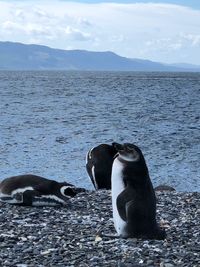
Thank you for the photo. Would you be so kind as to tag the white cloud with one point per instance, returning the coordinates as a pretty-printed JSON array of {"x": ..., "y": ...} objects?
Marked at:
[
  {"x": 160, "y": 32},
  {"x": 164, "y": 44},
  {"x": 176, "y": 43},
  {"x": 76, "y": 34},
  {"x": 84, "y": 22},
  {"x": 10, "y": 26},
  {"x": 193, "y": 39},
  {"x": 18, "y": 13}
]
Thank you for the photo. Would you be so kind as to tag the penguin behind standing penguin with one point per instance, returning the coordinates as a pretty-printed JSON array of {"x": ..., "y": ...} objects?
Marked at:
[
  {"x": 133, "y": 196},
  {"x": 32, "y": 190},
  {"x": 99, "y": 162}
]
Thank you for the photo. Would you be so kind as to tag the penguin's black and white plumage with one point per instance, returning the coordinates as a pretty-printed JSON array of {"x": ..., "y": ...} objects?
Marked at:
[
  {"x": 99, "y": 162},
  {"x": 32, "y": 190},
  {"x": 133, "y": 196}
]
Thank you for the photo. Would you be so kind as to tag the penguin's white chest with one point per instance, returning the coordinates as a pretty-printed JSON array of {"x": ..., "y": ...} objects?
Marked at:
[{"x": 117, "y": 188}]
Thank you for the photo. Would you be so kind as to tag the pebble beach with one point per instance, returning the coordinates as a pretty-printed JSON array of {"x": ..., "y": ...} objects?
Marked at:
[{"x": 82, "y": 234}]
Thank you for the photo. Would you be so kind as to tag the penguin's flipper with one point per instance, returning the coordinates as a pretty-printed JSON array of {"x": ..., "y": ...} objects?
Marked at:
[
  {"x": 121, "y": 204},
  {"x": 28, "y": 196},
  {"x": 124, "y": 201},
  {"x": 129, "y": 206}
]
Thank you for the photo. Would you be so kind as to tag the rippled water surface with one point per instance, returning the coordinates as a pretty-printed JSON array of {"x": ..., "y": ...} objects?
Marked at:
[{"x": 49, "y": 120}]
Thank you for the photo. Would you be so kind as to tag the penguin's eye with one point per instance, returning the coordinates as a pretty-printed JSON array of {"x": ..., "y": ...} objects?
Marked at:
[
  {"x": 118, "y": 147},
  {"x": 69, "y": 192},
  {"x": 130, "y": 148}
]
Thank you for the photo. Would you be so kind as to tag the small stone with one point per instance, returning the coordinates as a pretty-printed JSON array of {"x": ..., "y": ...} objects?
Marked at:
[
  {"x": 149, "y": 262},
  {"x": 168, "y": 265},
  {"x": 98, "y": 238},
  {"x": 23, "y": 239}
]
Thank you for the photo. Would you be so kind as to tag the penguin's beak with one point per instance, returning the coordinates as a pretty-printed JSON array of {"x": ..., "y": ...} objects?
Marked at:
[{"x": 79, "y": 190}]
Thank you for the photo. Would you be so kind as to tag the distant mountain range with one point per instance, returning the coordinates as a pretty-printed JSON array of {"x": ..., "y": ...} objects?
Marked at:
[{"x": 17, "y": 56}]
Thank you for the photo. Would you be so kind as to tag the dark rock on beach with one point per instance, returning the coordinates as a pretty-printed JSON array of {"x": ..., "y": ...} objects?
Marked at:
[{"x": 83, "y": 234}]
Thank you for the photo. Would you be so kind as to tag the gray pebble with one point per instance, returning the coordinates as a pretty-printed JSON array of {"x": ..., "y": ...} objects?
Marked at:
[{"x": 66, "y": 236}]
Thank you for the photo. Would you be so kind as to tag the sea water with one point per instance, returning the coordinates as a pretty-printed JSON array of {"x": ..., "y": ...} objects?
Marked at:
[{"x": 49, "y": 120}]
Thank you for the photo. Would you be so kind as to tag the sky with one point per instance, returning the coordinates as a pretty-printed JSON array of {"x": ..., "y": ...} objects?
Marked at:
[{"x": 163, "y": 31}]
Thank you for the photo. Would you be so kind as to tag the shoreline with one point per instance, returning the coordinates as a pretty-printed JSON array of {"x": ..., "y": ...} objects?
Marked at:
[{"x": 70, "y": 235}]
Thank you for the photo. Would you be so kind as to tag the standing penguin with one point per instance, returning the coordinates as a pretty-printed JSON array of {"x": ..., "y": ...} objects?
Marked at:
[
  {"x": 32, "y": 190},
  {"x": 133, "y": 197},
  {"x": 99, "y": 162}
]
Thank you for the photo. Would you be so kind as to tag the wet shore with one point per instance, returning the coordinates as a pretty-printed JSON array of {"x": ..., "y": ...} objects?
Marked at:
[{"x": 79, "y": 234}]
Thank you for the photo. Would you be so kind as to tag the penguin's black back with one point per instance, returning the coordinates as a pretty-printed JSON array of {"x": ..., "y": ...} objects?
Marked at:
[
  {"x": 101, "y": 158},
  {"x": 26, "y": 180}
]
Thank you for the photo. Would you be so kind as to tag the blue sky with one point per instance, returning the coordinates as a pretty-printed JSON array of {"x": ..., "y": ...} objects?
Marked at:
[
  {"x": 190, "y": 3},
  {"x": 164, "y": 31}
]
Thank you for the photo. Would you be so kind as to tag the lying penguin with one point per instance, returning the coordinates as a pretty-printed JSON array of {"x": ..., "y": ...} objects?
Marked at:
[
  {"x": 133, "y": 197},
  {"x": 99, "y": 162},
  {"x": 32, "y": 190}
]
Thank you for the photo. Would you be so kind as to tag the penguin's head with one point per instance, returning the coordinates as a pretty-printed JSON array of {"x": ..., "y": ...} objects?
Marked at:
[
  {"x": 128, "y": 152},
  {"x": 68, "y": 191}
]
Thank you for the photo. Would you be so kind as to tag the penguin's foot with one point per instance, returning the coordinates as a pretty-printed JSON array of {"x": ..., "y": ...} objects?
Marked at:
[{"x": 18, "y": 197}]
